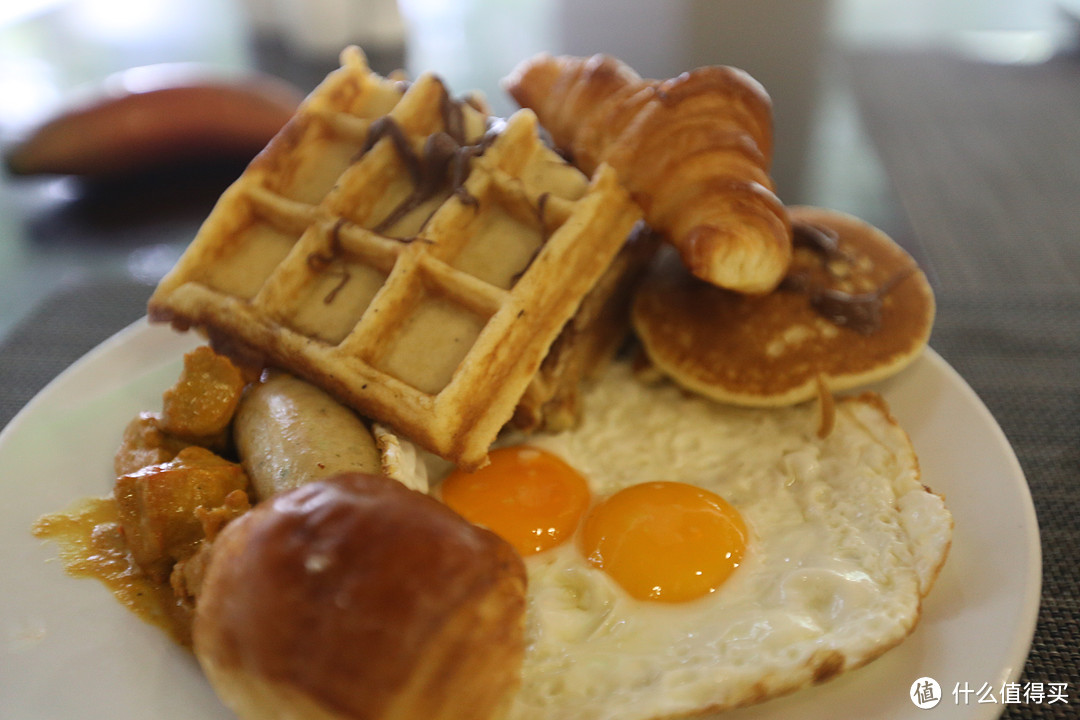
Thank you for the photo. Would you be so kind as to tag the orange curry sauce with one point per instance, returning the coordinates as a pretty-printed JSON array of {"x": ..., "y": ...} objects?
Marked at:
[{"x": 91, "y": 544}]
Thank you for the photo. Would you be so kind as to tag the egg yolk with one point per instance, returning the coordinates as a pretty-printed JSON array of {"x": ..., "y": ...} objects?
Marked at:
[
  {"x": 665, "y": 541},
  {"x": 527, "y": 496}
]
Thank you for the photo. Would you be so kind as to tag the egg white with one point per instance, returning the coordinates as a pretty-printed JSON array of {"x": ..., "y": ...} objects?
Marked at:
[{"x": 844, "y": 543}]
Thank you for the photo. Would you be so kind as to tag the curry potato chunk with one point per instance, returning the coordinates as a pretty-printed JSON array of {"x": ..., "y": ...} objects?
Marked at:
[
  {"x": 163, "y": 507},
  {"x": 201, "y": 404},
  {"x": 145, "y": 443}
]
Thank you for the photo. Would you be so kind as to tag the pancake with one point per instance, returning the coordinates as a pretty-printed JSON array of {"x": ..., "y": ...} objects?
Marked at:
[{"x": 853, "y": 308}]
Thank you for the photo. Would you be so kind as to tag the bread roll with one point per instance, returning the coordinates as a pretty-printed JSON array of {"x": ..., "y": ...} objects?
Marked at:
[{"x": 355, "y": 597}]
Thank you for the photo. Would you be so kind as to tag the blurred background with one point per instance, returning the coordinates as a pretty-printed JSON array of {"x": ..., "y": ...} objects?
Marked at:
[{"x": 56, "y": 230}]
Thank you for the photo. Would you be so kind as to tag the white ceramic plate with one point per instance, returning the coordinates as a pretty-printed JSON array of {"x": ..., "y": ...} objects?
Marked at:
[{"x": 68, "y": 650}]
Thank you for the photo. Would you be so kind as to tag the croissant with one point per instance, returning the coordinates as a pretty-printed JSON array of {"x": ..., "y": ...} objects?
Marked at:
[{"x": 694, "y": 151}]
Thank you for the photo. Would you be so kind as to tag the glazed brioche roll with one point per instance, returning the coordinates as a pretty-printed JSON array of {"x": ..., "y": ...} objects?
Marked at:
[
  {"x": 355, "y": 597},
  {"x": 694, "y": 151}
]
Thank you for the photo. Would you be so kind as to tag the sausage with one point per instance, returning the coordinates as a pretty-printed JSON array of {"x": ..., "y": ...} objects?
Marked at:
[
  {"x": 289, "y": 432},
  {"x": 176, "y": 119}
]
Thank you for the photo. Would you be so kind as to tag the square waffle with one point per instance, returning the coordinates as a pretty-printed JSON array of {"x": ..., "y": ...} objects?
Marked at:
[{"x": 404, "y": 251}]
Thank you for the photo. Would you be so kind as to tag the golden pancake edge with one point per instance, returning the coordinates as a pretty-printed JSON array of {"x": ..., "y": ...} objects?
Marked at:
[{"x": 854, "y": 308}]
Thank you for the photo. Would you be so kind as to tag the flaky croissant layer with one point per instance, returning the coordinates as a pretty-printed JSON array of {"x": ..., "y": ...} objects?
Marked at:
[{"x": 693, "y": 150}]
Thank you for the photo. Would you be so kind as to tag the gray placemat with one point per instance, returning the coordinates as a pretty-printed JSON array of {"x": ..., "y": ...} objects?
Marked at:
[
  {"x": 1011, "y": 350},
  {"x": 67, "y": 325},
  {"x": 985, "y": 160}
]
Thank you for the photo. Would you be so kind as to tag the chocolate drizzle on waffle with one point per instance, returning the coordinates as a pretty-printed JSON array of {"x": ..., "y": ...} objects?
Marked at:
[
  {"x": 417, "y": 327},
  {"x": 445, "y": 158},
  {"x": 323, "y": 262},
  {"x": 453, "y": 116},
  {"x": 541, "y": 204}
]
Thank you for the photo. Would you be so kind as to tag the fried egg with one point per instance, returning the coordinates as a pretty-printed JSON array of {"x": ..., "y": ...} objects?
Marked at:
[{"x": 685, "y": 556}]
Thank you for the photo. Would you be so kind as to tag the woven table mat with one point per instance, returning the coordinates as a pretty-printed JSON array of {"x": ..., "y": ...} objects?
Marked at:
[
  {"x": 68, "y": 324},
  {"x": 985, "y": 160}
]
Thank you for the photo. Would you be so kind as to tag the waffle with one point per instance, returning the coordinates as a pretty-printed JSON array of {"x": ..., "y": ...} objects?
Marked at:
[{"x": 403, "y": 251}]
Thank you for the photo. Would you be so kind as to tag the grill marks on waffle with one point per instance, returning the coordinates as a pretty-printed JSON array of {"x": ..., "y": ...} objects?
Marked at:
[
  {"x": 404, "y": 251},
  {"x": 446, "y": 157},
  {"x": 363, "y": 245},
  {"x": 323, "y": 263}
]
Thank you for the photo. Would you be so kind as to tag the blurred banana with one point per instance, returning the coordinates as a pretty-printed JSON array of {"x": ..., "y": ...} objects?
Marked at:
[{"x": 172, "y": 117}]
